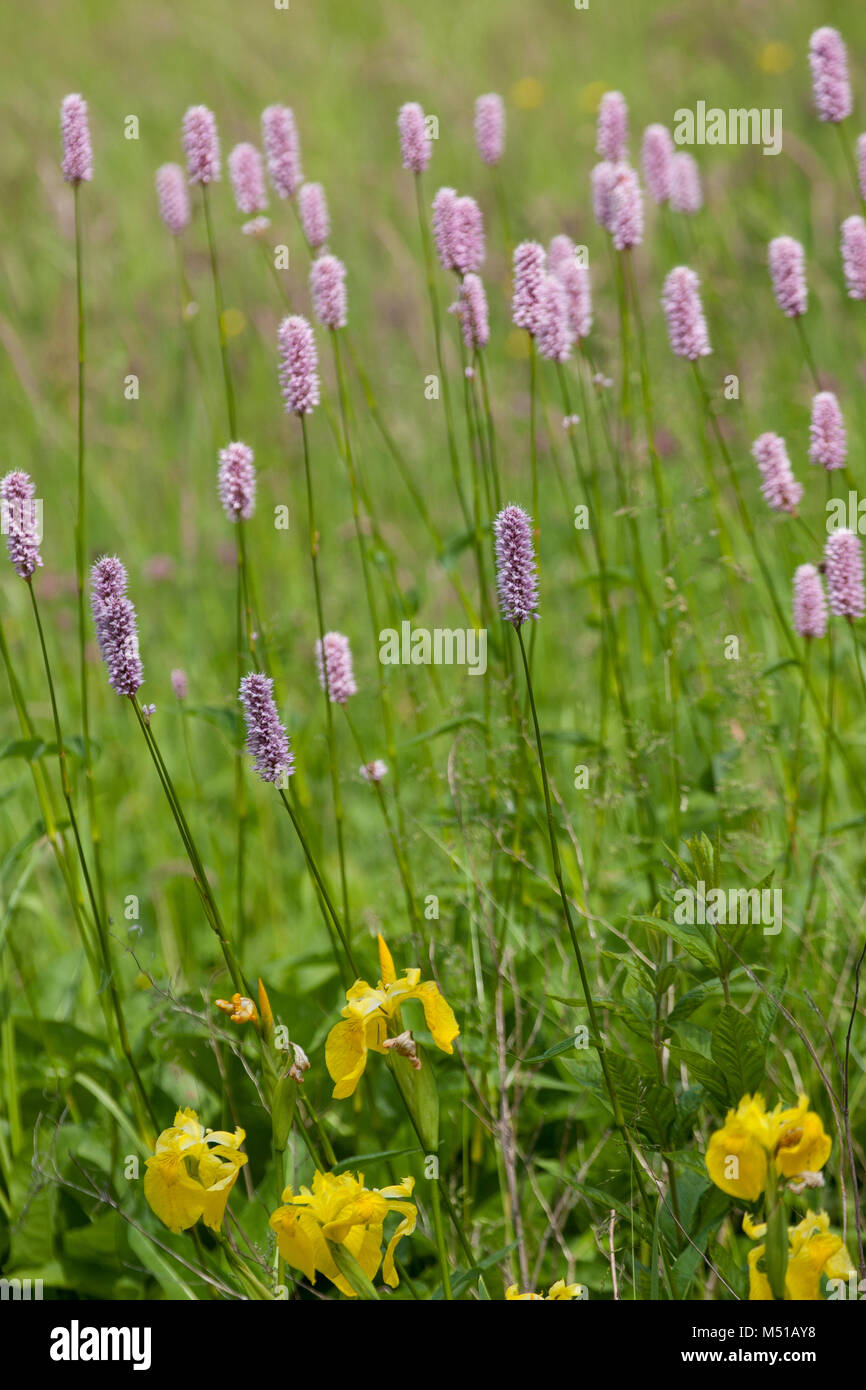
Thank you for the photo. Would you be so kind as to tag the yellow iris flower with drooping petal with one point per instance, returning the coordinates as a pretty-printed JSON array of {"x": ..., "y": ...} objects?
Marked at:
[
  {"x": 813, "y": 1250},
  {"x": 192, "y": 1172},
  {"x": 739, "y": 1153},
  {"x": 559, "y": 1292},
  {"x": 368, "y": 1013},
  {"x": 339, "y": 1208}
]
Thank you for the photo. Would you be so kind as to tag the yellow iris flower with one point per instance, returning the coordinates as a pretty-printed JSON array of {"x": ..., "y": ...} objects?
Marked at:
[
  {"x": 341, "y": 1209},
  {"x": 813, "y": 1250},
  {"x": 369, "y": 1012},
  {"x": 738, "y": 1154},
  {"x": 192, "y": 1172},
  {"x": 558, "y": 1292}
]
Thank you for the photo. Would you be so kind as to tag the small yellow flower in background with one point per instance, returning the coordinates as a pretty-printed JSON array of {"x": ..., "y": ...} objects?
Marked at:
[
  {"x": 738, "y": 1154},
  {"x": 527, "y": 93},
  {"x": 776, "y": 58},
  {"x": 341, "y": 1209},
  {"x": 241, "y": 1009},
  {"x": 591, "y": 95},
  {"x": 192, "y": 1172},
  {"x": 233, "y": 322},
  {"x": 558, "y": 1292},
  {"x": 368, "y": 1013},
  {"x": 813, "y": 1250}
]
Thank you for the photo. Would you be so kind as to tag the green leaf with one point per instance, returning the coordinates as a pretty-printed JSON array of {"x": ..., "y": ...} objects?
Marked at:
[
  {"x": 362, "y": 1161},
  {"x": 738, "y": 1052}
]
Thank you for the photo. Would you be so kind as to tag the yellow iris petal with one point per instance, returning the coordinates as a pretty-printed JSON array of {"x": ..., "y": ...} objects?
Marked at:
[
  {"x": 386, "y": 962},
  {"x": 804, "y": 1147},
  {"x": 736, "y": 1161},
  {"x": 346, "y": 1055},
  {"x": 171, "y": 1193}
]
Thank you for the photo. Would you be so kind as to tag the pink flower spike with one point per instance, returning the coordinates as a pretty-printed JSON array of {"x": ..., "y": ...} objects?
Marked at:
[
  {"x": 282, "y": 150},
  {"x": 657, "y": 153},
  {"x": 201, "y": 145},
  {"x": 173, "y": 195},
  {"x": 247, "y": 174},
  {"x": 20, "y": 514},
  {"x": 472, "y": 309},
  {"x": 337, "y": 667},
  {"x": 490, "y": 127},
  {"x": 861, "y": 165},
  {"x": 787, "y": 269},
  {"x": 612, "y": 128},
  {"x": 554, "y": 335},
  {"x": 828, "y": 445},
  {"x": 444, "y": 204},
  {"x": 854, "y": 256},
  {"x": 328, "y": 288},
  {"x": 687, "y": 328},
  {"x": 603, "y": 179},
  {"x": 313, "y": 209},
  {"x": 843, "y": 566},
  {"x": 626, "y": 209},
  {"x": 516, "y": 577},
  {"x": 830, "y": 86},
  {"x": 574, "y": 278},
  {"x": 237, "y": 481},
  {"x": 528, "y": 279},
  {"x": 416, "y": 147},
  {"x": 685, "y": 184},
  {"x": 116, "y": 626},
  {"x": 780, "y": 488},
  {"x": 299, "y": 365},
  {"x": 267, "y": 740},
  {"x": 467, "y": 236},
  {"x": 77, "y": 164},
  {"x": 179, "y": 683},
  {"x": 810, "y": 602}
]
